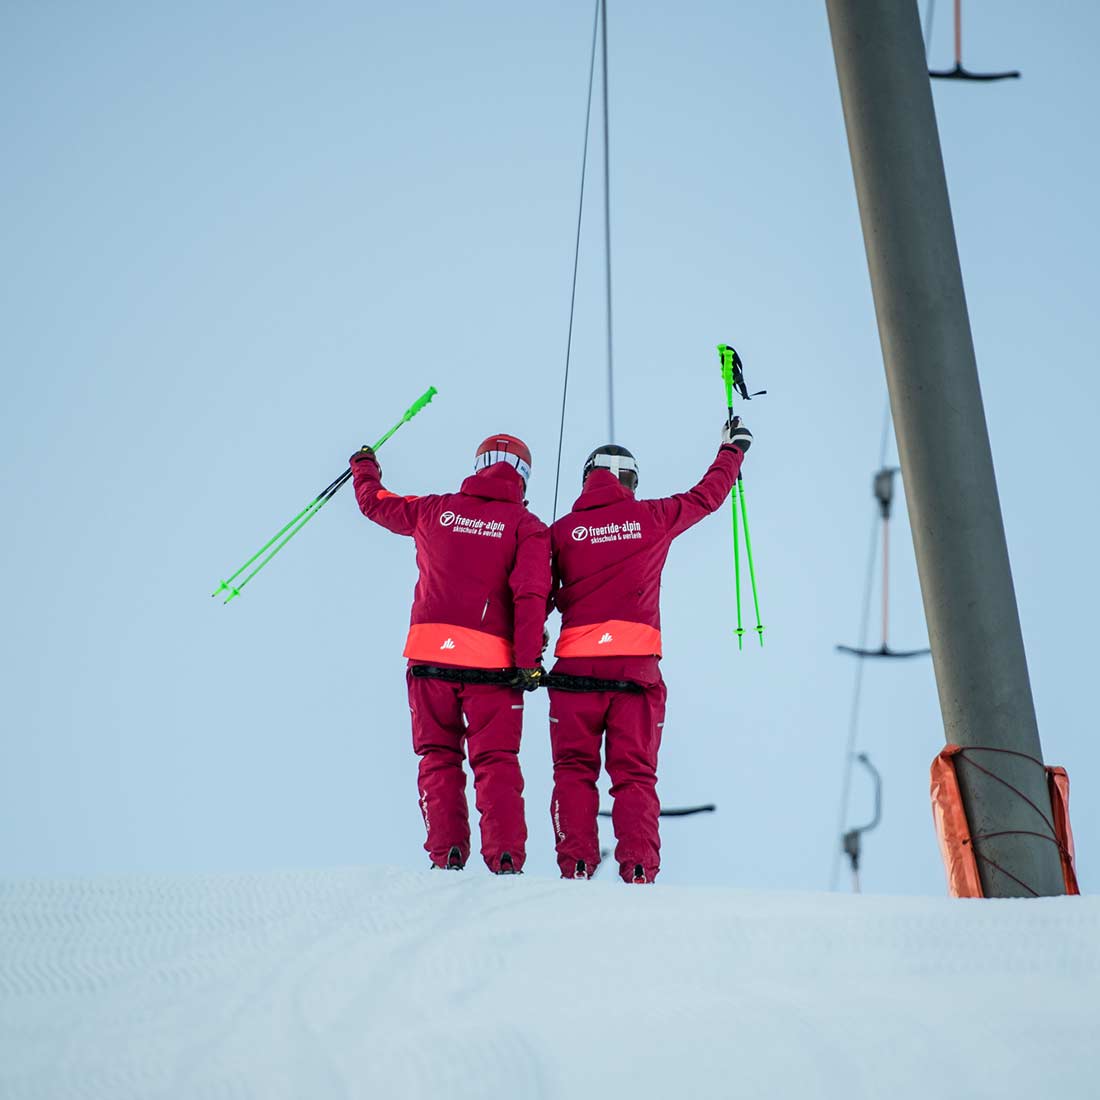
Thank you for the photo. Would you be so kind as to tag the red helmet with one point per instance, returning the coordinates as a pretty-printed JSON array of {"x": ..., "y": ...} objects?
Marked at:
[{"x": 504, "y": 448}]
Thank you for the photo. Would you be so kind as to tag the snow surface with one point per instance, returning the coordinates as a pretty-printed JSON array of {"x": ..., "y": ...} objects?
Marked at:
[{"x": 383, "y": 983}]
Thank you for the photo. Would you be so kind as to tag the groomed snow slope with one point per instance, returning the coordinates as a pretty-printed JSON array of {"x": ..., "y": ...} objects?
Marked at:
[{"x": 386, "y": 984}]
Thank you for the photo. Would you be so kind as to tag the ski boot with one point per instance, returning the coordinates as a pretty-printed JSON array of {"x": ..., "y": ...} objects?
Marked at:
[
  {"x": 639, "y": 874},
  {"x": 507, "y": 867},
  {"x": 581, "y": 870},
  {"x": 454, "y": 861}
]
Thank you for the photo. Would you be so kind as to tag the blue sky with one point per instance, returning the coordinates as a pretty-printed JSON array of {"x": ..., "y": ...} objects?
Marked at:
[{"x": 241, "y": 240}]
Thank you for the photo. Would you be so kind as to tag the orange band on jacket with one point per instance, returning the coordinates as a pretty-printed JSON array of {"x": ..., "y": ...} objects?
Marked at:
[
  {"x": 457, "y": 645},
  {"x": 385, "y": 494},
  {"x": 613, "y": 638}
]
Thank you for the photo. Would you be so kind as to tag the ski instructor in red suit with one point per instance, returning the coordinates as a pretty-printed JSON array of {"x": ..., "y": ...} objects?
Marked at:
[
  {"x": 480, "y": 604},
  {"x": 607, "y": 558}
]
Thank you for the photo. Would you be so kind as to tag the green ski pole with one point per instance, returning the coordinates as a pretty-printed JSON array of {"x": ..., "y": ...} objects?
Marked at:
[
  {"x": 227, "y": 583},
  {"x": 726, "y": 355},
  {"x": 748, "y": 554},
  {"x": 733, "y": 375},
  {"x": 740, "y": 631},
  {"x": 310, "y": 510}
]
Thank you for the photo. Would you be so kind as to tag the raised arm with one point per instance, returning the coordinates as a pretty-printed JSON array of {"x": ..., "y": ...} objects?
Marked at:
[
  {"x": 376, "y": 502},
  {"x": 684, "y": 510}
]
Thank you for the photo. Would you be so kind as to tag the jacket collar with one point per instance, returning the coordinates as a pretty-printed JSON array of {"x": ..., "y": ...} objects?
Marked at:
[
  {"x": 601, "y": 488},
  {"x": 497, "y": 482}
]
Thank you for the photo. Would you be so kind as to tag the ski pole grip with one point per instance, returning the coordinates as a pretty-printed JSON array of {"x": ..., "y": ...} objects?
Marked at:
[
  {"x": 419, "y": 403},
  {"x": 727, "y": 355}
]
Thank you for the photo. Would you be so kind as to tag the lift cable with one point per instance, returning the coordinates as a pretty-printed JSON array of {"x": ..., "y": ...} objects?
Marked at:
[
  {"x": 929, "y": 16},
  {"x": 607, "y": 234},
  {"x": 576, "y": 254},
  {"x": 857, "y": 687},
  {"x": 599, "y": 20}
]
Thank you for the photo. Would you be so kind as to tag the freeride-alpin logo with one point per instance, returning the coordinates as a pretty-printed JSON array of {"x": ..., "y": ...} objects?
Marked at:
[
  {"x": 448, "y": 644},
  {"x": 463, "y": 525},
  {"x": 605, "y": 639},
  {"x": 609, "y": 532}
]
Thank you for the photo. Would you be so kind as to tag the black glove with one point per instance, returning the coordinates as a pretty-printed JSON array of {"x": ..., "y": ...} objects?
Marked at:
[
  {"x": 545, "y": 640},
  {"x": 527, "y": 679},
  {"x": 735, "y": 432},
  {"x": 365, "y": 453}
]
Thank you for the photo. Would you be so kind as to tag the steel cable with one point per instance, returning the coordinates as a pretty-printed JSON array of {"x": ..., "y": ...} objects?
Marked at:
[
  {"x": 576, "y": 255},
  {"x": 857, "y": 688}
]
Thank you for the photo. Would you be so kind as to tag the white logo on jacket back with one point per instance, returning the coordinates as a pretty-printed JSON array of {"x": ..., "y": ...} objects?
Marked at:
[
  {"x": 609, "y": 532},
  {"x": 448, "y": 644},
  {"x": 464, "y": 525}
]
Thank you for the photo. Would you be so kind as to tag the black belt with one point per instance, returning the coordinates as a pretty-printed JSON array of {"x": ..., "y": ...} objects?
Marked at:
[
  {"x": 559, "y": 681},
  {"x": 502, "y": 676},
  {"x": 506, "y": 677}
]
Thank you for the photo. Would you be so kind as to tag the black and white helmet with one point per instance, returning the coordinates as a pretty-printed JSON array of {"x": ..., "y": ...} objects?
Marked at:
[{"x": 616, "y": 459}]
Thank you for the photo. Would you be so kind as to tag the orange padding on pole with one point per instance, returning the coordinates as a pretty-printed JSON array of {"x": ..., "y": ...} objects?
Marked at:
[
  {"x": 1058, "y": 781},
  {"x": 953, "y": 830}
]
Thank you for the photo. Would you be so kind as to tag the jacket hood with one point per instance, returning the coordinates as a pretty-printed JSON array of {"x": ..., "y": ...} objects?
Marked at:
[
  {"x": 601, "y": 488},
  {"x": 497, "y": 482}
]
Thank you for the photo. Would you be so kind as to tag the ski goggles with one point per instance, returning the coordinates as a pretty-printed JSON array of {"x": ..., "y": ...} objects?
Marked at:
[
  {"x": 618, "y": 465},
  {"x": 491, "y": 458}
]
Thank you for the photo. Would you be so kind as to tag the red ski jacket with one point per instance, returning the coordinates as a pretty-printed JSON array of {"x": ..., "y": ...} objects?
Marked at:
[
  {"x": 608, "y": 554},
  {"x": 484, "y": 565}
]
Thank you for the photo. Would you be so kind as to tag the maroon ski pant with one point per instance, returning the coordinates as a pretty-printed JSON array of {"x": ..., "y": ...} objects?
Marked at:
[
  {"x": 628, "y": 727},
  {"x": 487, "y": 719}
]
